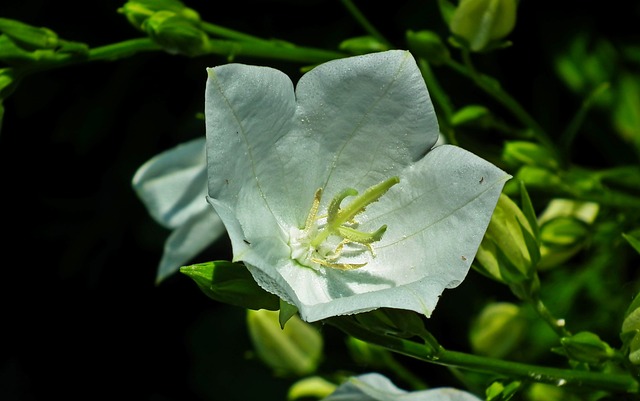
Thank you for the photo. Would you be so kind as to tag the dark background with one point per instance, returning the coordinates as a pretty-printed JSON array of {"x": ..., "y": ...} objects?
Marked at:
[{"x": 81, "y": 315}]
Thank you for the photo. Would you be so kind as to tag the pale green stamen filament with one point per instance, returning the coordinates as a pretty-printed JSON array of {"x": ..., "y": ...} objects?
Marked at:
[{"x": 339, "y": 223}]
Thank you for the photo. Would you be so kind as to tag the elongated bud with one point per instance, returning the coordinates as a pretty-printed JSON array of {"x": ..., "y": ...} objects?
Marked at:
[
  {"x": 504, "y": 254},
  {"x": 480, "y": 23},
  {"x": 29, "y": 37},
  {"x": 294, "y": 350}
]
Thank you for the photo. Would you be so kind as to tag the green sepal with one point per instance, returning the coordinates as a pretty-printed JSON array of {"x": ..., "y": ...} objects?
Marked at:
[
  {"x": 287, "y": 311},
  {"x": 230, "y": 283}
]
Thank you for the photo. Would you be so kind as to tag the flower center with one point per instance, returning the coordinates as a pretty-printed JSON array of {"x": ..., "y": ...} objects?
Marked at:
[{"x": 325, "y": 240}]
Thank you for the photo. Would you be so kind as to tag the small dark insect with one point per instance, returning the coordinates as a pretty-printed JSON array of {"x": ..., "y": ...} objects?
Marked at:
[
  {"x": 226, "y": 181},
  {"x": 246, "y": 242},
  {"x": 463, "y": 258},
  {"x": 481, "y": 180}
]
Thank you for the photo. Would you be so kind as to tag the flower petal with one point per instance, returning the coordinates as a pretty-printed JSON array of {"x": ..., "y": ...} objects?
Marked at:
[
  {"x": 172, "y": 184},
  {"x": 371, "y": 116},
  {"x": 188, "y": 240},
  {"x": 376, "y": 387}
]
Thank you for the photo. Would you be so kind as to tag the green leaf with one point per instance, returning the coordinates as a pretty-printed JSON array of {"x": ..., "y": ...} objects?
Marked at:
[
  {"x": 633, "y": 240},
  {"x": 230, "y": 283}
]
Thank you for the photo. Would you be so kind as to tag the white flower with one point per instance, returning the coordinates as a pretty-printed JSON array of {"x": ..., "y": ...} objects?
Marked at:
[
  {"x": 332, "y": 195},
  {"x": 375, "y": 387},
  {"x": 172, "y": 185}
]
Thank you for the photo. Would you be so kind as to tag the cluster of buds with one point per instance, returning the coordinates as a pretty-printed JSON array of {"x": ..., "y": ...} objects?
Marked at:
[{"x": 169, "y": 23}]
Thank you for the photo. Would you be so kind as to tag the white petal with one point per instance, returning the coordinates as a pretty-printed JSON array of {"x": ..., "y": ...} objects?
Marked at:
[
  {"x": 248, "y": 109},
  {"x": 189, "y": 240},
  {"x": 371, "y": 116},
  {"x": 376, "y": 387},
  {"x": 172, "y": 185}
]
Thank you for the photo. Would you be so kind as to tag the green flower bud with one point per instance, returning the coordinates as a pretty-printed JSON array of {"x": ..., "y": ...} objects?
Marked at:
[
  {"x": 564, "y": 228},
  {"x": 549, "y": 392},
  {"x": 498, "y": 330},
  {"x": 428, "y": 44},
  {"x": 29, "y": 37},
  {"x": 294, "y": 350},
  {"x": 505, "y": 250},
  {"x": 587, "y": 347},
  {"x": 519, "y": 153},
  {"x": 138, "y": 11},
  {"x": 481, "y": 22},
  {"x": 362, "y": 45},
  {"x": 176, "y": 34},
  {"x": 230, "y": 283}
]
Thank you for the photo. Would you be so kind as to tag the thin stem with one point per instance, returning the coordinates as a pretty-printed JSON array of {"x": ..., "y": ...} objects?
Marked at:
[
  {"x": 366, "y": 25},
  {"x": 558, "y": 325},
  {"x": 440, "y": 356},
  {"x": 492, "y": 87},
  {"x": 227, "y": 33},
  {"x": 441, "y": 99}
]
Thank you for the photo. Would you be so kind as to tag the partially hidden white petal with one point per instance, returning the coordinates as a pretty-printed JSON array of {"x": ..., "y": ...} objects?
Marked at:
[
  {"x": 172, "y": 185},
  {"x": 376, "y": 387},
  {"x": 189, "y": 240}
]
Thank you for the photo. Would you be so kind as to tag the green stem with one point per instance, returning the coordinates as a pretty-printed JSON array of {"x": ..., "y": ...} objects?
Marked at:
[
  {"x": 555, "y": 376},
  {"x": 441, "y": 99},
  {"x": 366, "y": 25},
  {"x": 558, "y": 325},
  {"x": 227, "y": 33},
  {"x": 492, "y": 87}
]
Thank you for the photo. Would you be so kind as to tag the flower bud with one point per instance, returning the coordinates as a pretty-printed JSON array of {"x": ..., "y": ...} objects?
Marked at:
[
  {"x": 28, "y": 37},
  {"x": 564, "y": 228},
  {"x": 480, "y": 23},
  {"x": 310, "y": 387},
  {"x": 428, "y": 44},
  {"x": 176, "y": 34},
  {"x": 294, "y": 350},
  {"x": 587, "y": 347},
  {"x": 505, "y": 251},
  {"x": 138, "y": 11},
  {"x": 498, "y": 330}
]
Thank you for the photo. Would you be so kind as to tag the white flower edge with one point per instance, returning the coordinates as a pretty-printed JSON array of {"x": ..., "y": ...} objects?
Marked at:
[
  {"x": 172, "y": 186},
  {"x": 376, "y": 387}
]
